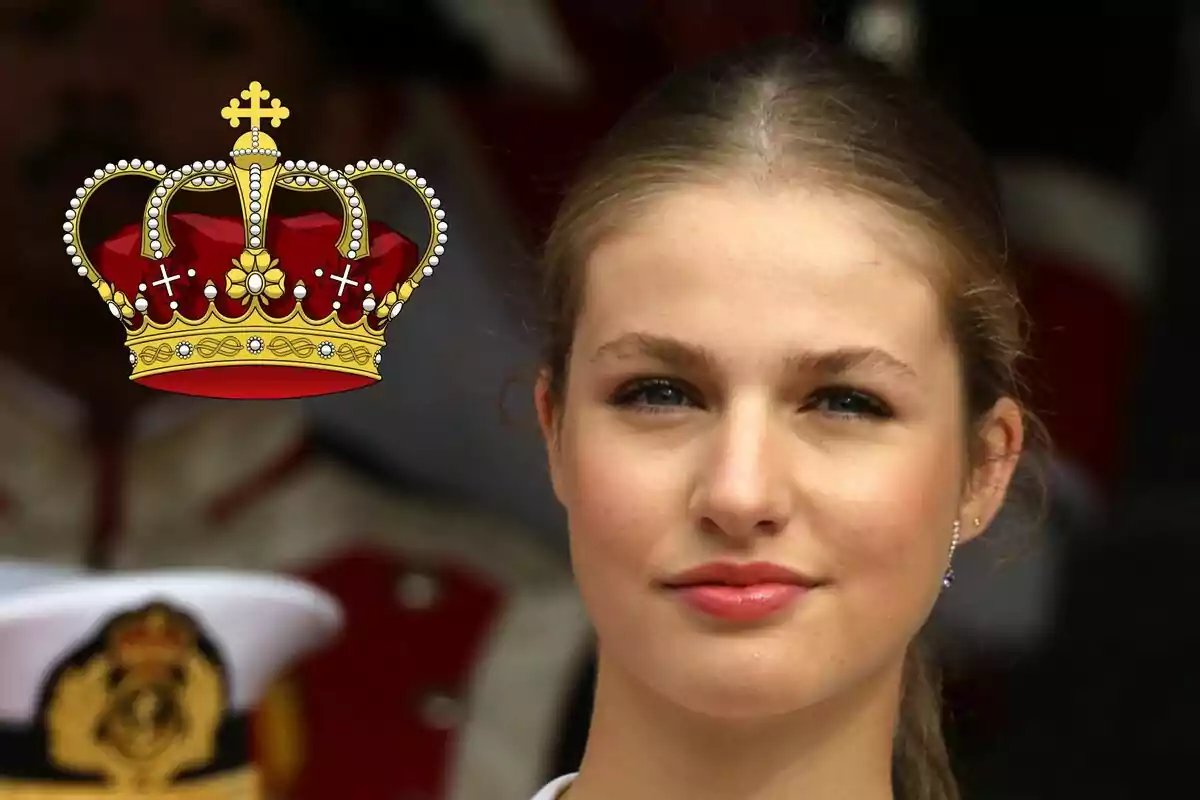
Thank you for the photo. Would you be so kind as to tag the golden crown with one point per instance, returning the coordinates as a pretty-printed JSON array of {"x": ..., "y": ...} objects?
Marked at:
[
  {"x": 222, "y": 308},
  {"x": 152, "y": 640}
]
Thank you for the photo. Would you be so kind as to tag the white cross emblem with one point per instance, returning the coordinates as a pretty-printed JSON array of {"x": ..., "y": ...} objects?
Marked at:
[
  {"x": 166, "y": 280},
  {"x": 343, "y": 279}
]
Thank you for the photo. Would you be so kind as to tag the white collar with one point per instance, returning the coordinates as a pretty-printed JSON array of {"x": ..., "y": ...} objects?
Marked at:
[{"x": 554, "y": 788}]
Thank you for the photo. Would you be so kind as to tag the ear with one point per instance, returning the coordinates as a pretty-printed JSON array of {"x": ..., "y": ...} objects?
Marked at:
[
  {"x": 1002, "y": 436},
  {"x": 548, "y": 414}
]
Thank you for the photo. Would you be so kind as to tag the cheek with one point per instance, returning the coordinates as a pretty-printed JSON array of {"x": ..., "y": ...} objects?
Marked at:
[
  {"x": 892, "y": 514},
  {"x": 623, "y": 502}
]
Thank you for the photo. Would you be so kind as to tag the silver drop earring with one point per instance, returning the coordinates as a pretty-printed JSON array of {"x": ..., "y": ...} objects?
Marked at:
[{"x": 948, "y": 578}]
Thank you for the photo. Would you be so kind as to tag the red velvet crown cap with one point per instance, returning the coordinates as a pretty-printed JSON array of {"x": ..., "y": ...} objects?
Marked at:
[{"x": 206, "y": 248}]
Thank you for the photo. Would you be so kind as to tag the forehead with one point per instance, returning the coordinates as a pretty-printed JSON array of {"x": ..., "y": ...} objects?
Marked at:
[{"x": 741, "y": 266}]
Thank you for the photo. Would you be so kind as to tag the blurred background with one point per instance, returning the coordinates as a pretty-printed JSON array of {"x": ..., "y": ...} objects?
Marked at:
[{"x": 422, "y": 502}]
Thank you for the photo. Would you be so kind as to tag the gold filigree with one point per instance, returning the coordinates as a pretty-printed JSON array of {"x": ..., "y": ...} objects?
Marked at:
[
  {"x": 255, "y": 274},
  {"x": 117, "y": 301},
  {"x": 255, "y": 113},
  {"x": 385, "y": 308}
]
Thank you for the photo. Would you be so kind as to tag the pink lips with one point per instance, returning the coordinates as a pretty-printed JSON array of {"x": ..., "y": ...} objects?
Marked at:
[{"x": 739, "y": 592}]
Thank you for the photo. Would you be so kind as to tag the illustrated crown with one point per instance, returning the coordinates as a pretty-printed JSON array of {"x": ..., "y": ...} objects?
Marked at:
[{"x": 231, "y": 308}]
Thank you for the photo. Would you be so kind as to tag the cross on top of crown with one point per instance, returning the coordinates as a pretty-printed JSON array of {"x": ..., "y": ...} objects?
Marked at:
[{"x": 256, "y": 112}]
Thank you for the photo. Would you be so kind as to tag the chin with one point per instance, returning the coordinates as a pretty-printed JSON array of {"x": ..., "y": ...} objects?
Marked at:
[{"x": 744, "y": 677}]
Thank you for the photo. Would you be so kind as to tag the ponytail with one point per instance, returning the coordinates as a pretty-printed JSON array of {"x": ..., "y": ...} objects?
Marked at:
[{"x": 922, "y": 763}]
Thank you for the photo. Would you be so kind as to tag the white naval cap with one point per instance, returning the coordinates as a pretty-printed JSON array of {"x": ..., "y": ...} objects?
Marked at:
[
  {"x": 144, "y": 683},
  {"x": 16, "y": 576}
]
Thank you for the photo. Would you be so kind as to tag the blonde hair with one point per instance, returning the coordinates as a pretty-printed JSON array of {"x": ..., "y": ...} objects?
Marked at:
[{"x": 798, "y": 111}]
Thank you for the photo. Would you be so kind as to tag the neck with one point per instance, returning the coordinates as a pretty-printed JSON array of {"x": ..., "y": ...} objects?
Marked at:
[{"x": 641, "y": 746}]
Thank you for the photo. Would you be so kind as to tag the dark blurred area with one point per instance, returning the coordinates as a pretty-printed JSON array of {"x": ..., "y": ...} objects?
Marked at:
[{"x": 422, "y": 502}]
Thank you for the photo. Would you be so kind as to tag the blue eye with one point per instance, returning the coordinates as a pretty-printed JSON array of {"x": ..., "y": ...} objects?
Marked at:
[
  {"x": 655, "y": 394},
  {"x": 843, "y": 401},
  {"x": 660, "y": 394}
]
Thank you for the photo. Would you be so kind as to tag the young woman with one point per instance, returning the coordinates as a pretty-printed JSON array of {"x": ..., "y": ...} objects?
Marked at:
[{"x": 778, "y": 392}]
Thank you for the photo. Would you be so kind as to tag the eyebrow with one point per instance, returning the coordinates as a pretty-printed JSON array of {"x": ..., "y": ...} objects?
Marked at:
[{"x": 675, "y": 353}]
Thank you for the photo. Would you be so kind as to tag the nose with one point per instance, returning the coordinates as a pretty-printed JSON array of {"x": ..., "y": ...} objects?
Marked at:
[{"x": 744, "y": 491}]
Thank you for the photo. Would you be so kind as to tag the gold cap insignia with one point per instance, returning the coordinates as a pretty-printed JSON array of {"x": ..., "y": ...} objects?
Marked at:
[{"x": 138, "y": 711}]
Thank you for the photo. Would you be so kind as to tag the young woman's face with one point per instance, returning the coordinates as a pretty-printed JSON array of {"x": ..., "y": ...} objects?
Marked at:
[{"x": 758, "y": 379}]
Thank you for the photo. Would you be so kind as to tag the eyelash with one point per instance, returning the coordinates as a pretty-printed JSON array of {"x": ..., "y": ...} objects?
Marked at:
[{"x": 632, "y": 394}]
